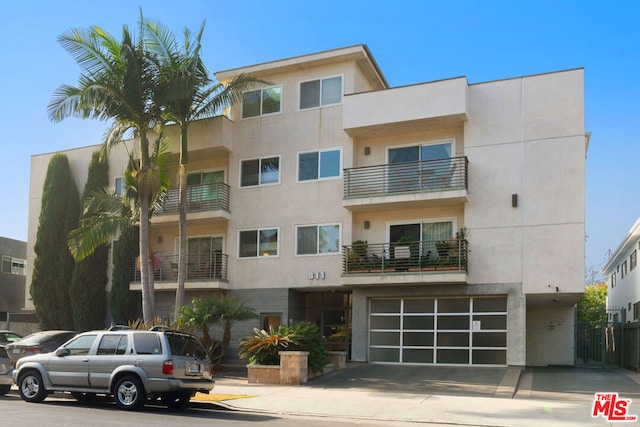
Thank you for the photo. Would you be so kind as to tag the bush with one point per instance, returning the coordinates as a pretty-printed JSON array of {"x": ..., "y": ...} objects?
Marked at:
[{"x": 262, "y": 348}]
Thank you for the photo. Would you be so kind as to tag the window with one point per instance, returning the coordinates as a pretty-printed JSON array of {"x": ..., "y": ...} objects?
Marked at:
[
  {"x": 270, "y": 320},
  {"x": 315, "y": 93},
  {"x": 14, "y": 265},
  {"x": 320, "y": 164},
  {"x": 613, "y": 280},
  {"x": 633, "y": 260},
  {"x": 119, "y": 186},
  {"x": 260, "y": 102},
  {"x": 185, "y": 345},
  {"x": 81, "y": 345},
  {"x": 113, "y": 344},
  {"x": 262, "y": 171},
  {"x": 623, "y": 271},
  {"x": 258, "y": 243},
  {"x": 318, "y": 239},
  {"x": 636, "y": 310},
  {"x": 147, "y": 343}
]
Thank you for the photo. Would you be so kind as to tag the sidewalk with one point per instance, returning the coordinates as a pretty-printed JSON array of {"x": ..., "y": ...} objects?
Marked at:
[{"x": 488, "y": 396}]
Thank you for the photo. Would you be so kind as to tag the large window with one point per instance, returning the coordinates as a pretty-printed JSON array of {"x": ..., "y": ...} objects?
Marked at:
[
  {"x": 258, "y": 243},
  {"x": 14, "y": 265},
  {"x": 633, "y": 260},
  {"x": 318, "y": 239},
  {"x": 421, "y": 167},
  {"x": 262, "y": 171},
  {"x": 623, "y": 272},
  {"x": 119, "y": 186},
  {"x": 319, "y": 92},
  {"x": 260, "y": 102},
  {"x": 320, "y": 164}
]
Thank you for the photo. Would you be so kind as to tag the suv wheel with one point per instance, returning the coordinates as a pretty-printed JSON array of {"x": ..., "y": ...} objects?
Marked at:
[
  {"x": 31, "y": 387},
  {"x": 129, "y": 393},
  {"x": 4, "y": 389}
]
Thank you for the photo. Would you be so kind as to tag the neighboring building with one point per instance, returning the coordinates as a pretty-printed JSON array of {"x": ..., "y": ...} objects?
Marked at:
[
  {"x": 622, "y": 276},
  {"x": 437, "y": 223},
  {"x": 12, "y": 276}
]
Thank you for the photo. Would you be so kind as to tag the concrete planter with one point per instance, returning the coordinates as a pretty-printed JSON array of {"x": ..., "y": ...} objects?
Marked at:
[
  {"x": 263, "y": 374},
  {"x": 293, "y": 368}
]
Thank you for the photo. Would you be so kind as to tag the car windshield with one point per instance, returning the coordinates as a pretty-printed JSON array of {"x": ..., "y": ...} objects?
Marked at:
[{"x": 185, "y": 345}]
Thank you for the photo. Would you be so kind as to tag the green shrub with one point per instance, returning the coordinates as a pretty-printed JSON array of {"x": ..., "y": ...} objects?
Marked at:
[{"x": 262, "y": 348}]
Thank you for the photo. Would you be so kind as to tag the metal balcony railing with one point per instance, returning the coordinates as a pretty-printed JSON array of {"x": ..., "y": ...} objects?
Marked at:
[
  {"x": 202, "y": 197},
  {"x": 201, "y": 267},
  {"x": 417, "y": 256},
  {"x": 408, "y": 177}
]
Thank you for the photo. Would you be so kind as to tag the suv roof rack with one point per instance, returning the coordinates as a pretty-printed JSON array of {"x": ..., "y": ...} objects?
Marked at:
[
  {"x": 160, "y": 328},
  {"x": 118, "y": 328}
]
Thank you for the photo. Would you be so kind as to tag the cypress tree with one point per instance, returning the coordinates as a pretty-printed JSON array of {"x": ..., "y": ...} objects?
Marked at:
[
  {"x": 88, "y": 285},
  {"x": 122, "y": 301},
  {"x": 53, "y": 265}
]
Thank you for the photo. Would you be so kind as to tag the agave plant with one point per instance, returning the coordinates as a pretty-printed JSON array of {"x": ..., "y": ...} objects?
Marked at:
[{"x": 263, "y": 348}]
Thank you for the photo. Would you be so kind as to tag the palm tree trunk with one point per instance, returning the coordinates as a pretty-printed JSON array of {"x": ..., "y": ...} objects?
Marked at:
[
  {"x": 146, "y": 279},
  {"x": 147, "y": 302},
  {"x": 182, "y": 227}
]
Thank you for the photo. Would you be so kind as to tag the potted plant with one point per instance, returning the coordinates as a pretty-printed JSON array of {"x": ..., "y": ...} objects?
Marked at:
[{"x": 262, "y": 350}]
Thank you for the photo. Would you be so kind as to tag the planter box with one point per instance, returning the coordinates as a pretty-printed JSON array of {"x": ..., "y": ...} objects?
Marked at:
[
  {"x": 293, "y": 369},
  {"x": 263, "y": 374}
]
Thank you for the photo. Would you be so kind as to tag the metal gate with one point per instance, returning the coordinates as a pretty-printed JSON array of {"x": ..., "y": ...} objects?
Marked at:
[{"x": 599, "y": 338}]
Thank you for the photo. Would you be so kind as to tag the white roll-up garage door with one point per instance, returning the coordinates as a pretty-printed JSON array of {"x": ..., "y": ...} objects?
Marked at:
[{"x": 451, "y": 331}]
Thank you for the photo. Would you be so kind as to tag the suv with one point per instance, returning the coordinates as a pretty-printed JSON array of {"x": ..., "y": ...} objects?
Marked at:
[
  {"x": 5, "y": 372},
  {"x": 130, "y": 365}
]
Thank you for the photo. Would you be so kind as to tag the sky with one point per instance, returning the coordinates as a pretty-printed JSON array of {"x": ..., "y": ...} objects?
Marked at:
[{"x": 412, "y": 42}]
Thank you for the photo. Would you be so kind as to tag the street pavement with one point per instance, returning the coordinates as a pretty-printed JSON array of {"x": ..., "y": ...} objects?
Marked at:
[{"x": 435, "y": 395}]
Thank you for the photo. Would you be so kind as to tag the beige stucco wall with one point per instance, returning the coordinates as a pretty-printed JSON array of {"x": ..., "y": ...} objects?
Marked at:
[{"x": 79, "y": 159}]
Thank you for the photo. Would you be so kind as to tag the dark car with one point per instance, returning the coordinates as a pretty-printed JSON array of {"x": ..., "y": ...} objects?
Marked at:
[
  {"x": 5, "y": 372},
  {"x": 7, "y": 337},
  {"x": 39, "y": 342}
]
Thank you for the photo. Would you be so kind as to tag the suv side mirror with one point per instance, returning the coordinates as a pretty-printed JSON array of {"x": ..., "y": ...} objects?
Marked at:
[{"x": 61, "y": 352}]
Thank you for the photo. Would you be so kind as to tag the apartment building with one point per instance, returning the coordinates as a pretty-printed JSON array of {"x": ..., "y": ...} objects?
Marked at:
[
  {"x": 437, "y": 223},
  {"x": 622, "y": 276},
  {"x": 12, "y": 276}
]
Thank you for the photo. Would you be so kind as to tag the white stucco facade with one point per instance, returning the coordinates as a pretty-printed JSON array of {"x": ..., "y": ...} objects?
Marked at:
[
  {"x": 512, "y": 179},
  {"x": 622, "y": 275}
]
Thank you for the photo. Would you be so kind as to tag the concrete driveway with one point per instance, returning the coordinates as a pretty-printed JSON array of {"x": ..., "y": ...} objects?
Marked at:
[{"x": 566, "y": 383}]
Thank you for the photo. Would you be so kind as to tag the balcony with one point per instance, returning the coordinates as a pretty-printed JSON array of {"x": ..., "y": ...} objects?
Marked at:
[
  {"x": 411, "y": 183},
  {"x": 203, "y": 272},
  {"x": 204, "y": 201},
  {"x": 443, "y": 261},
  {"x": 406, "y": 109}
]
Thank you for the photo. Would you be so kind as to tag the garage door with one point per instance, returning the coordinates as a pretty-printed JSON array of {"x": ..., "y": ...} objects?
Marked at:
[{"x": 451, "y": 331}]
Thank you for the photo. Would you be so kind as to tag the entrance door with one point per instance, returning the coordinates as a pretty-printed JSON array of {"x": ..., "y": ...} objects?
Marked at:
[
  {"x": 203, "y": 193},
  {"x": 204, "y": 256},
  {"x": 419, "y": 167}
]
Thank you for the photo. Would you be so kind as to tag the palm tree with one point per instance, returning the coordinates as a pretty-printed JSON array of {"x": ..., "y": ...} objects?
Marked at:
[
  {"x": 231, "y": 310},
  {"x": 117, "y": 83},
  {"x": 200, "y": 315},
  {"x": 186, "y": 94},
  {"x": 219, "y": 308}
]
